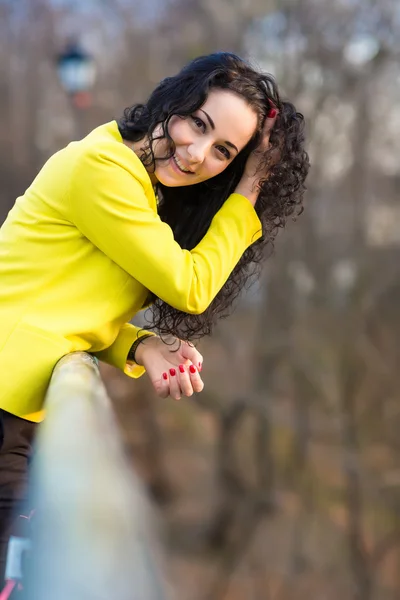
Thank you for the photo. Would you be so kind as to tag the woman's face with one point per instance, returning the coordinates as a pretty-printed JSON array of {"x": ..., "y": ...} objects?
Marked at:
[{"x": 206, "y": 142}]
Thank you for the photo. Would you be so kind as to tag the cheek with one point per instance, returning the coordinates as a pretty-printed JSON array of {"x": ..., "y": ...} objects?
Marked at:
[
  {"x": 213, "y": 168},
  {"x": 160, "y": 147},
  {"x": 180, "y": 131},
  {"x": 159, "y": 142},
  {"x": 218, "y": 166},
  {"x": 173, "y": 127},
  {"x": 218, "y": 169}
]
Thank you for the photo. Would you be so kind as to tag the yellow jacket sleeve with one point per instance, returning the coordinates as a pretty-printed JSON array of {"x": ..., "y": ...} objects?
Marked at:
[
  {"x": 116, "y": 354},
  {"x": 108, "y": 203}
]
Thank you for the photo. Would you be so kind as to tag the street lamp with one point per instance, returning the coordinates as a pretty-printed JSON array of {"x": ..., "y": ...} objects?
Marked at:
[{"x": 77, "y": 72}]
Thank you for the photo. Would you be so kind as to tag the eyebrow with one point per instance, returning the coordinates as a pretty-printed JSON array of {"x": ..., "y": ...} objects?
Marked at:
[{"x": 212, "y": 125}]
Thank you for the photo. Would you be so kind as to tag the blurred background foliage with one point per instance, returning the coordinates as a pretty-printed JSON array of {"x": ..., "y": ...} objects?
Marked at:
[{"x": 281, "y": 480}]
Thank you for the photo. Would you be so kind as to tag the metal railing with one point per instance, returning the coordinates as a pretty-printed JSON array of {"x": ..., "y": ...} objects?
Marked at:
[{"x": 92, "y": 536}]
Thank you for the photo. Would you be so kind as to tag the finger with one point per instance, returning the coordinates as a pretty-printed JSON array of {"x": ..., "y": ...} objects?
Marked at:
[
  {"x": 161, "y": 386},
  {"x": 174, "y": 387},
  {"x": 192, "y": 354},
  {"x": 184, "y": 380},
  {"x": 196, "y": 381},
  {"x": 269, "y": 122}
]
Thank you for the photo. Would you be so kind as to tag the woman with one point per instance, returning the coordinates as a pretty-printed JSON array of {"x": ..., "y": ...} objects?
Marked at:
[{"x": 87, "y": 246}]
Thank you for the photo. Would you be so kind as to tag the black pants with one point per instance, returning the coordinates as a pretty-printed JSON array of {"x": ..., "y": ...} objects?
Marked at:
[{"x": 16, "y": 438}]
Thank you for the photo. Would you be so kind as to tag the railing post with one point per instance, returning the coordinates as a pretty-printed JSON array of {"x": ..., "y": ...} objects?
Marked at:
[{"x": 92, "y": 538}]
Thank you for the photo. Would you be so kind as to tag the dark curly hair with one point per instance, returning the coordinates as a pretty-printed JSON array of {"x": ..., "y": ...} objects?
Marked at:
[{"x": 189, "y": 209}]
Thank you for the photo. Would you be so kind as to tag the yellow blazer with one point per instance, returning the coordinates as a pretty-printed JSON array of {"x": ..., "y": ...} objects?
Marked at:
[{"x": 79, "y": 252}]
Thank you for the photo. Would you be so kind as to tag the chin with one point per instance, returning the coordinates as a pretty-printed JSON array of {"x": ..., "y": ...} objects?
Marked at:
[
  {"x": 170, "y": 181},
  {"x": 167, "y": 182}
]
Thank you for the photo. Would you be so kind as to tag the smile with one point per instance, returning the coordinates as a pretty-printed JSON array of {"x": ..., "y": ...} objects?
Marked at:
[{"x": 180, "y": 166}]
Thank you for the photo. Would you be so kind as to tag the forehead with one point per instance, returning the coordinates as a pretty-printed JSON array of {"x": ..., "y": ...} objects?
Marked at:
[{"x": 233, "y": 118}]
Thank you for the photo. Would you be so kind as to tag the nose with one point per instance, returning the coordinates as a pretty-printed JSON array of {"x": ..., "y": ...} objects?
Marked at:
[{"x": 196, "y": 153}]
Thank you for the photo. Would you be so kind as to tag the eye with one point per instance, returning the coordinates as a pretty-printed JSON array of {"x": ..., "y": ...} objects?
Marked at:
[
  {"x": 199, "y": 123},
  {"x": 224, "y": 151}
]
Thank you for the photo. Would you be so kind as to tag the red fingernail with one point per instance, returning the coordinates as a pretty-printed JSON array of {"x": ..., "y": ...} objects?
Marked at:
[
  {"x": 165, "y": 376},
  {"x": 200, "y": 366},
  {"x": 181, "y": 368},
  {"x": 172, "y": 372},
  {"x": 272, "y": 113},
  {"x": 192, "y": 369}
]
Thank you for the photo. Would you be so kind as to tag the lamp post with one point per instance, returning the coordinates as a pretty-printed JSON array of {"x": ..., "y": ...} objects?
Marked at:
[{"x": 77, "y": 72}]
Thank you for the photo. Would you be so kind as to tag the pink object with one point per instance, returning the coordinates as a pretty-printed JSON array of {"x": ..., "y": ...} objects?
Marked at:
[{"x": 7, "y": 590}]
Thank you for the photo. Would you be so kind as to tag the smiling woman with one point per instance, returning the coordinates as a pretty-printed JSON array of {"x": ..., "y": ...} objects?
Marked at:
[
  {"x": 217, "y": 128},
  {"x": 170, "y": 206},
  {"x": 205, "y": 142}
]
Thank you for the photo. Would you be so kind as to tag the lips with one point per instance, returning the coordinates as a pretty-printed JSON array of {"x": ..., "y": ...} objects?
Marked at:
[{"x": 181, "y": 166}]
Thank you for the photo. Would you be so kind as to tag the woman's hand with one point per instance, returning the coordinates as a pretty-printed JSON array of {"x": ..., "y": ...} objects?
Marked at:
[
  {"x": 172, "y": 372},
  {"x": 248, "y": 185}
]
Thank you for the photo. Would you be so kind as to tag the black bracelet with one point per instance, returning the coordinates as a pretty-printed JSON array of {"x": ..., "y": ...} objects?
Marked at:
[{"x": 133, "y": 348}]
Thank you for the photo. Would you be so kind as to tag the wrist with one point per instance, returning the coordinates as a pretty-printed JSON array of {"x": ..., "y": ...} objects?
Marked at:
[
  {"x": 249, "y": 189},
  {"x": 137, "y": 349}
]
